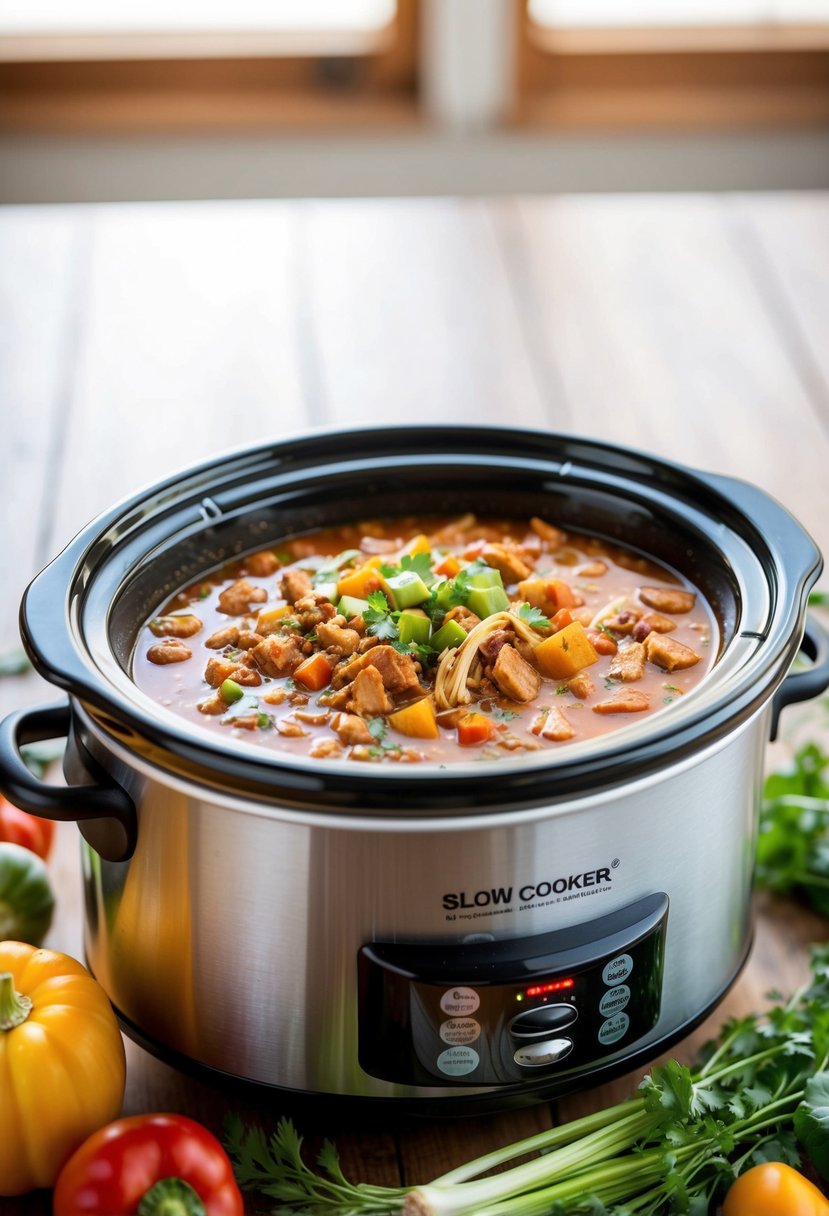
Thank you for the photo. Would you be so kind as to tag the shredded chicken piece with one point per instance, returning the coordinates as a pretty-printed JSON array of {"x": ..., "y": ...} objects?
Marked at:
[
  {"x": 514, "y": 676},
  {"x": 669, "y": 654},
  {"x": 553, "y": 536},
  {"x": 228, "y": 636},
  {"x": 625, "y": 701},
  {"x": 237, "y": 599},
  {"x": 170, "y": 651},
  {"x": 455, "y": 666},
  {"x": 628, "y": 664},
  {"x": 326, "y": 749},
  {"x": 352, "y": 729},
  {"x": 552, "y": 724},
  {"x": 295, "y": 584},
  {"x": 668, "y": 599}
]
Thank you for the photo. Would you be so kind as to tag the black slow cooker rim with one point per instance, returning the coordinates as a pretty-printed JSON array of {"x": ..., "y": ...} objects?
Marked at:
[{"x": 57, "y": 648}]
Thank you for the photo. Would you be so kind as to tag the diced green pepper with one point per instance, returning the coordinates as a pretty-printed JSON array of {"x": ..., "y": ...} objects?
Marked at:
[
  {"x": 450, "y": 634},
  {"x": 406, "y": 589},
  {"x": 329, "y": 590},
  {"x": 489, "y": 577},
  {"x": 230, "y": 691},
  {"x": 443, "y": 594},
  {"x": 484, "y": 601},
  {"x": 414, "y": 627},
  {"x": 351, "y": 605}
]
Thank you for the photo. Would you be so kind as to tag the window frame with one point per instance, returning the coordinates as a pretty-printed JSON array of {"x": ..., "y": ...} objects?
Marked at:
[
  {"x": 265, "y": 88},
  {"x": 669, "y": 78}
]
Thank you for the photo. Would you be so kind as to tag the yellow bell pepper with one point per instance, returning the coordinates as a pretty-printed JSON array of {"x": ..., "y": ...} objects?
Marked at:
[
  {"x": 62, "y": 1066},
  {"x": 566, "y": 652},
  {"x": 417, "y": 720},
  {"x": 360, "y": 583}
]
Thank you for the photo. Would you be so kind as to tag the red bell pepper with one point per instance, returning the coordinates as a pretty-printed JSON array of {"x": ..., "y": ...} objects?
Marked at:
[
  {"x": 147, "y": 1165},
  {"x": 29, "y": 831}
]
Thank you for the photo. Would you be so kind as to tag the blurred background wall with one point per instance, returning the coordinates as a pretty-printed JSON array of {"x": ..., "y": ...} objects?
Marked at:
[{"x": 155, "y": 99}]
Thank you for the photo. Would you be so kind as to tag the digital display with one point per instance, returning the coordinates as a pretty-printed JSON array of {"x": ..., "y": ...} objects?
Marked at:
[{"x": 552, "y": 986}]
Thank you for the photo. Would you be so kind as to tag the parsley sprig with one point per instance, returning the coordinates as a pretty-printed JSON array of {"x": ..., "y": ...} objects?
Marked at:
[{"x": 761, "y": 1092}]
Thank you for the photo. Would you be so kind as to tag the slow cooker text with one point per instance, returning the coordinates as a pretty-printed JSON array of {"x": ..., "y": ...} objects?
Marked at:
[{"x": 526, "y": 894}]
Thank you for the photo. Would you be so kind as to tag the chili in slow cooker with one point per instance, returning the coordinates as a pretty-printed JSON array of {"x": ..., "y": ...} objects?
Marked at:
[{"x": 416, "y": 639}]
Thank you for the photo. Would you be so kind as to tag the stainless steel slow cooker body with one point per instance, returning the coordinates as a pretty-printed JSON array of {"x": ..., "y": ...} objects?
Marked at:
[{"x": 368, "y": 932}]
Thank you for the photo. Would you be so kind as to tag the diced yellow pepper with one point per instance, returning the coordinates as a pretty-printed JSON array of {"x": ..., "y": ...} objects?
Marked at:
[
  {"x": 360, "y": 583},
  {"x": 418, "y": 544},
  {"x": 534, "y": 592},
  {"x": 566, "y": 652},
  {"x": 417, "y": 720},
  {"x": 269, "y": 620}
]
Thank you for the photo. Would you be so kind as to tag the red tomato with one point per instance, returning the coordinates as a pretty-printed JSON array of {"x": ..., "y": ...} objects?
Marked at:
[
  {"x": 773, "y": 1189},
  {"x": 19, "y": 827},
  {"x": 112, "y": 1171}
]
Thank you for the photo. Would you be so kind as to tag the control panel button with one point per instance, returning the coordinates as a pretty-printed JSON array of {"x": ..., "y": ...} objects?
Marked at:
[
  {"x": 458, "y": 1061},
  {"x": 460, "y": 1002},
  {"x": 614, "y": 1000},
  {"x": 542, "y": 1020},
  {"x": 460, "y": 1030},
  {"x": 617, "y": 970},
  {"x": 542, "y": 1055},
  {"x": 614, "y": 1029}
]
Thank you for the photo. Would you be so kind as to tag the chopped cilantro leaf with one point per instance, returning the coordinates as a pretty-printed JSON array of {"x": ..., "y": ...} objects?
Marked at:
[
  {"x": 263, "y": 721},
  {"x": 533, "y": 616},
  {"x": 379, "y": 618},
  {"x": 378, "y": 728},
  {"x": 330, "y": 568},
  {"x": 421, "y": 565}
]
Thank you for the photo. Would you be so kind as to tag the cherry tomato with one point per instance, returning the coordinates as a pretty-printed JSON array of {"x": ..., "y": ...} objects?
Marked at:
[
  {"x": 19, "y": 827},
  {"x": 774, "y": 1189},
  {"x": 162, "y": 1162}
]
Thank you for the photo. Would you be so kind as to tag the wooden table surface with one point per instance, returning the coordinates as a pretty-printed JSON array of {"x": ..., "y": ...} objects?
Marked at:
[{"x": 135, "y": 340}]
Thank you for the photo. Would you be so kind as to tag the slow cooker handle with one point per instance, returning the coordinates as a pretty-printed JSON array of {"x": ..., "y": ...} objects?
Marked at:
[
  {"x": 812, "y": 680},
  {"x": 104, "y": 811}
]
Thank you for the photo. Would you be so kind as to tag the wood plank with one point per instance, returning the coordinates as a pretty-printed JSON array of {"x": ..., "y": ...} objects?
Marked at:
[
  {"x": 435, "y": 1148},
  {"x": 413, "y": 316},
  {"x": 647, "y": 314},
  {"x": 191, "y": 346},
  {"x": 787, "y": 238}
]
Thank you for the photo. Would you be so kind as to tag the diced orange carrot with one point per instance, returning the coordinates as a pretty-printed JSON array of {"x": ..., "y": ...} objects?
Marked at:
[
  {"x": 561, "y": 593},
  {"x": 474, "y": 729},
  {"x": 565, "y": 653},
  {"x": 314, "y": 673},
  {"x": 561, "y": 618},
  {"x": 602, "y": 641},
  {"x": 449, "y": 566},
  {"x": 417, "y": 720}
]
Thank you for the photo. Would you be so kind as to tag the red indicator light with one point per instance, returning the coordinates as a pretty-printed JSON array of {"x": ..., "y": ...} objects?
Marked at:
[{"x": 553, "y": 986}]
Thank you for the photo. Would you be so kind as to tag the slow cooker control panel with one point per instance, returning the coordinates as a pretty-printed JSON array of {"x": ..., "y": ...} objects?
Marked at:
[{"x": 503, "y": 1012}]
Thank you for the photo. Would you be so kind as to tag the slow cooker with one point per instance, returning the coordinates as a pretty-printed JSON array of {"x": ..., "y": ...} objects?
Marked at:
[{"x": 441, "y": 938}]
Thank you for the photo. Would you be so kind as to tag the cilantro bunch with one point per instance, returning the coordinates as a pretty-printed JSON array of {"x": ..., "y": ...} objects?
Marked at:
[
  {"x": 793, "y": 841},
  {"x": 760, "y": 1093}
]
